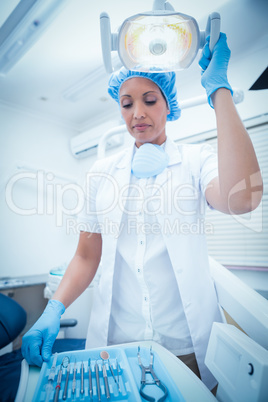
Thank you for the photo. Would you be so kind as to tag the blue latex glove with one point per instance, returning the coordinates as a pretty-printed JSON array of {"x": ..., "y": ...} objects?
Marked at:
[
  {"x": 38, "y": 341},
  {"x": 214, "y": 66}
]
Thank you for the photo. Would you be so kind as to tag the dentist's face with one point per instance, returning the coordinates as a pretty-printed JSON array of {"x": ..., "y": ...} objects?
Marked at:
[{"x": 144, "y": 110}]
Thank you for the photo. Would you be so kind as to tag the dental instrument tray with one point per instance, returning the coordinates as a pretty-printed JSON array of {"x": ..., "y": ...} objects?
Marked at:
[{"x": 112, "y": 373}]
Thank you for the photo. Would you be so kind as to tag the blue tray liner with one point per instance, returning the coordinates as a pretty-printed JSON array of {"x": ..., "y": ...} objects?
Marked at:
[{"x": 129, "y": 376}]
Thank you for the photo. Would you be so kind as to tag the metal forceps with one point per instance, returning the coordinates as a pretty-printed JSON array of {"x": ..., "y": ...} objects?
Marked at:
[{"x": 156, "y": 381}]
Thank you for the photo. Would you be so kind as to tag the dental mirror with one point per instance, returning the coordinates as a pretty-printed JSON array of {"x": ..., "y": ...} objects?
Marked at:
[{"x": 104, "y": 355}]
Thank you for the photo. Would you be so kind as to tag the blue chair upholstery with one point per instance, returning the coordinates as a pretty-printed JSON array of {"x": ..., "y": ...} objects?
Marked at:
[{"x": 12, "y": 320}]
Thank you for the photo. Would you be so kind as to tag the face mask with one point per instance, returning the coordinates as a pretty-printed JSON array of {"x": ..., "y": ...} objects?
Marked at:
[{"x": 149, "y": 160}]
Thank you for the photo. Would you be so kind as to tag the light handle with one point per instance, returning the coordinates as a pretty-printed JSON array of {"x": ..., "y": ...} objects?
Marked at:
[
  {"x": 213, "y": 29},
  {"x": 162, "y": 5}
]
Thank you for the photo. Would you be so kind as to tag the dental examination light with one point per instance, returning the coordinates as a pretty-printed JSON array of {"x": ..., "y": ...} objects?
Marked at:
[{"x": 157, "y": 40}]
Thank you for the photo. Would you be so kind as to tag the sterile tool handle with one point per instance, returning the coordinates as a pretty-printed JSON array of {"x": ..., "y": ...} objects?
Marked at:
[
  {"x": 106, "y": 381},
  {"x": 74, "y": 379},
  {"x": 82, "y": 378},
  {"x": 56, "y": 396},
  {"x": 98, "y": 381},
  {"x": 66, "y": 386},
  {"x": 90, "y": 381}
]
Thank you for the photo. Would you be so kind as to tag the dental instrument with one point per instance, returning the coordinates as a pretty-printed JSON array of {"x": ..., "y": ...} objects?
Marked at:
[
  {"x": 57, "y": 390},
  {"x": 82, "y": 378},
  {"x": 64, "y": 363},
  {"x": 90, "y": 379},
  {"x": 52, "y": 372},
  {"x": 66, "y": 382},
  {"x": 98, "y": 380},
  {"x": 105, "y": 356},
  {"x": 158, "y": 40},
  {"x": 149, "y": 370},
  {"x": 74, "y": 378},
  {"x": 104, "y": 371},
  {"x": 117, "y": 369}
]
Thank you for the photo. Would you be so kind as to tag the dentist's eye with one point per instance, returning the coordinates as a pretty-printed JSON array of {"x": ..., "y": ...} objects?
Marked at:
[
  {"x": 150, "y": 100},
  {"x": 126, "y": 103},
  {"x": 150, "y": 103}
]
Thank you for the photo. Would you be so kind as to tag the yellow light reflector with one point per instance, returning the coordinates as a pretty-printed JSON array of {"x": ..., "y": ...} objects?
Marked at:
[{"x": 168, "y": 42}]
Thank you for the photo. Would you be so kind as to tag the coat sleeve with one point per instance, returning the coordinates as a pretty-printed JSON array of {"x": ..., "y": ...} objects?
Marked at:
[{"x": 208, "y": 166}]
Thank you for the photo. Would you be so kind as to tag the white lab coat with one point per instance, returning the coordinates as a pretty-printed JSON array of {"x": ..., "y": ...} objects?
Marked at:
[{"x": 190, "y": 168}]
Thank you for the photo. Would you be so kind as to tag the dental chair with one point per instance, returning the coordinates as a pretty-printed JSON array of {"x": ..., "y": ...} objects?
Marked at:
[
  {"x": 237, "y": 353},
  {"x": 12, "y": 320}
]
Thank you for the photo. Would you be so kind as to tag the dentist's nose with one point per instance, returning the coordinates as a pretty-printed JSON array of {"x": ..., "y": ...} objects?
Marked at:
[{"x": 139, "y": 112}]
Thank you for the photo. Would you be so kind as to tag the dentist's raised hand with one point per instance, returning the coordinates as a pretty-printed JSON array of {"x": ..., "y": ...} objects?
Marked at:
[
  {"x": 37, "y": 343},
  {"x": 214, "y": 66}
]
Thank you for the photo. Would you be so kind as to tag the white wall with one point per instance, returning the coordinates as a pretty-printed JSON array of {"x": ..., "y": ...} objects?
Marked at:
[
  {"x": 38, "y": 231},
  {"x": 31, "y": 244}
]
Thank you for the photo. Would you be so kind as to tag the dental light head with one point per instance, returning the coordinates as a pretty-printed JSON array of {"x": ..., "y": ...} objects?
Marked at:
[{"x": 157, "y": 41}]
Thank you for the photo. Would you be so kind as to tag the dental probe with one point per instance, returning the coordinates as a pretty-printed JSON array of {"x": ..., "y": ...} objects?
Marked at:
[
  {"x": 74, "y": 378},
  {"x": 64, "y": 363},
  {"x": 82, "y": 378},
  {"x": 105, "y": 381},
  {"x": 117, "y": 369},
  {"x": 66, "y": 383},
  {"x": 98, "y": 380},
  {"x": 90, "y": 379},
  {"x": 105, "y": 357},
  {"x": 57, "y": 390}
]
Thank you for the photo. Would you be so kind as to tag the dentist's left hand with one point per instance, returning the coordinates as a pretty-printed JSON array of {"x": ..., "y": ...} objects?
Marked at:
[
  {"x": 37, "y": 343},
  {"x": 214, "y": 66}
]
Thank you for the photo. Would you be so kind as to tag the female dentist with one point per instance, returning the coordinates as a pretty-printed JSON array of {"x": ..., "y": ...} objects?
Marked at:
[{"x": 143, "y": 213}]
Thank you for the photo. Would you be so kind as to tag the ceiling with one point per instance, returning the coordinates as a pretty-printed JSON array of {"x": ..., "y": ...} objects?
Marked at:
[{"x": 69, "y": 54}]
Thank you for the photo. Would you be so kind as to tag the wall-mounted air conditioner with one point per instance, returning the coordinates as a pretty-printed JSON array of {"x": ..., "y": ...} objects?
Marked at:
[{"x": 86, "y": 144}]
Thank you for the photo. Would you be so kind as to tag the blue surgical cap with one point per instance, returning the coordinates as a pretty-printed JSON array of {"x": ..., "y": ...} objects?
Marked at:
[{"x": 165, "y": 81}]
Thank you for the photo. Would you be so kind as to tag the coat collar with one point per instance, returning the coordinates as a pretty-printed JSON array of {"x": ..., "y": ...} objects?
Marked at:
[{"x": 173, "y": 152}]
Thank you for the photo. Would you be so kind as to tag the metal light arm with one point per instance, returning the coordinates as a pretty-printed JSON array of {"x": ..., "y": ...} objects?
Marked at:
[
  {"x": 109, "y": 41},
  {"x": 110, "y": 133}
]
